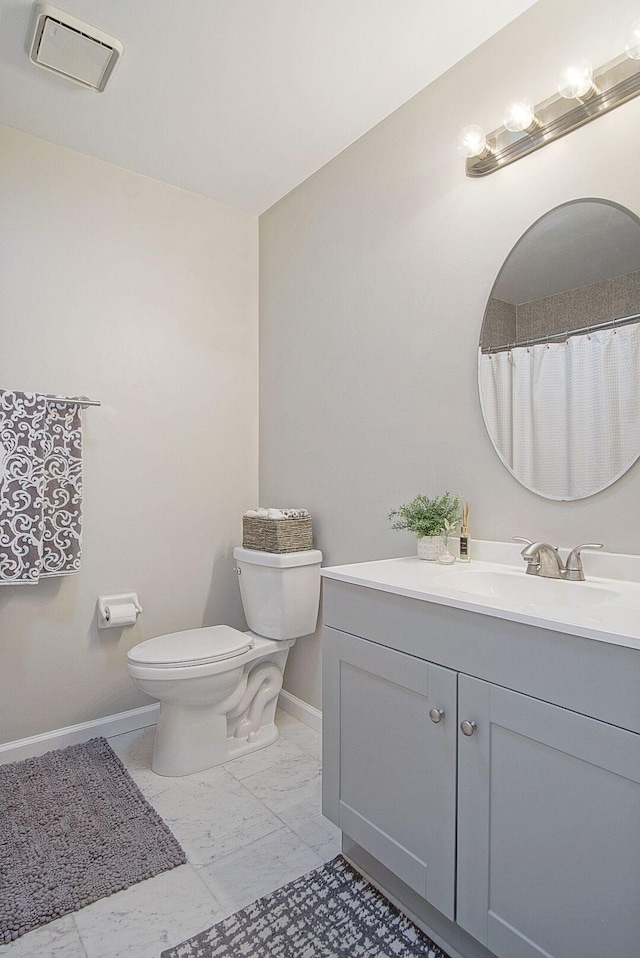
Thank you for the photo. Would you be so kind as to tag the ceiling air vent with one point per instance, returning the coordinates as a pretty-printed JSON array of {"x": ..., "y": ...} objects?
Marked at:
[{"x": 72, "y": 48}]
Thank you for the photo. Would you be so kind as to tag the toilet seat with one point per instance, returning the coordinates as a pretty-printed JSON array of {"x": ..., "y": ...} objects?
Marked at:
[{"x": 192, "y": 647}]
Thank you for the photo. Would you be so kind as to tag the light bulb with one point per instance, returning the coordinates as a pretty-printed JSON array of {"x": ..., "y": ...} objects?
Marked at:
[
  {"x": 472, "y": 141},
  {"x": 576, "y": 81},
  {"x": 520, "y": 116},
  {"x": 633, "y": 41}
]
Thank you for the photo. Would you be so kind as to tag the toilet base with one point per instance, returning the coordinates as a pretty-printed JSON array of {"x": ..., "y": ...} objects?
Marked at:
[
  {"x": 192, "y": 743},
  {"x": 195, "y": 736},
  {"x": 267, "y": 735},
  {"x": 188, "y": 740}
]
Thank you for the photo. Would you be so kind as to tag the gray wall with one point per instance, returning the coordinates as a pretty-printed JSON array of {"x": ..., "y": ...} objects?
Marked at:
[
  {"x": 609, "y": 299},
  {"x": 600, "y": 302},
  {"x": 143, "y": 296},
  {"x": 374, "y": 276},
  {"x": 499, "y": 326}
]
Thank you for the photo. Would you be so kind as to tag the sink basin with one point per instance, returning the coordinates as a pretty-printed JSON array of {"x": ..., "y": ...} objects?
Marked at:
[{"x": 525, "y": 590}]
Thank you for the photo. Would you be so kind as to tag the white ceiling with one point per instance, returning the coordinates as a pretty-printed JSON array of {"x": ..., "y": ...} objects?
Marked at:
[{"x": 239, "y": 100}]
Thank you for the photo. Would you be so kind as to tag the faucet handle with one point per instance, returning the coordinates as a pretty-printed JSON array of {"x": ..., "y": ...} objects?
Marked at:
[
  {"x": 528, "y": 542},
  {"x": 573, "y": 564}
]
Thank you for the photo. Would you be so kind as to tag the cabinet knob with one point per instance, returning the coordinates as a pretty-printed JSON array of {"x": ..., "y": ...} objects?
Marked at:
[
  {"x": 436, "y": 714},
  {"x": 468, "y": 728}
]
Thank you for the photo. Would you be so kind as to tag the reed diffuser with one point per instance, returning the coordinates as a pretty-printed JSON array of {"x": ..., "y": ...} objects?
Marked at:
[{"x": 465, "y": 541}]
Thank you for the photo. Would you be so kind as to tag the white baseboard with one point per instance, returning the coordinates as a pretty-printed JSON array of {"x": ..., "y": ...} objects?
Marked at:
[
  {"x": 128, "y": 722},
  {"x": 308, "y": 714},
  {"x": 61, "y": 737}
]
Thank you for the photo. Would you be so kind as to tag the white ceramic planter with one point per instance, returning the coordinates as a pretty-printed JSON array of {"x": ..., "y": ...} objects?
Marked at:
[{"x": 430, "y": 547}]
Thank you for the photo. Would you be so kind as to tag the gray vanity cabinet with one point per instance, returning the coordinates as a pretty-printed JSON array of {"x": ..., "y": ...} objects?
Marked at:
[
  {"x": 390, "y": 776},
  {"x": 548, "y": 829},
  {"x": 524, "y": 833}
]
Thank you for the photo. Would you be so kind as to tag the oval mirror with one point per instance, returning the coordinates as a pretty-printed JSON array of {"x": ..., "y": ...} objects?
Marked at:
[{"x": 559, "y": 356}]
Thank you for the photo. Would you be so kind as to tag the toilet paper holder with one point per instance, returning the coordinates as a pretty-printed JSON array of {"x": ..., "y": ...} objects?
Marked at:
[{"x": 118, "y": 611}]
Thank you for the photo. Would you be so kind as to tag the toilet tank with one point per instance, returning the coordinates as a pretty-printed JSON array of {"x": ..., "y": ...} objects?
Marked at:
[{"x": 280, "y": 592}]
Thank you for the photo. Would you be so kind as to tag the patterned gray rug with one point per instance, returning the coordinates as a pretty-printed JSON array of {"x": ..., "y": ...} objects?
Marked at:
[
  {"x": 74, "y": 827},
  {"x": 333, "y": 911}
]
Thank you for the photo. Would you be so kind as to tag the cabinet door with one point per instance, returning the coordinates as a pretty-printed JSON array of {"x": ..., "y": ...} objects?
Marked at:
[
  {"x": 389, "y": 769},
  {"x": 548, "y": 829}
]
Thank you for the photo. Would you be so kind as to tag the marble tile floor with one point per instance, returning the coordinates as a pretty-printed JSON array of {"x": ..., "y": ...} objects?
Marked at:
[{"x": 247, "y": 828}]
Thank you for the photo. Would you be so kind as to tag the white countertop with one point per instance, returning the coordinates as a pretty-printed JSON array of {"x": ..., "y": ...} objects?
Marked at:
[{"x": 605, "y": 607}]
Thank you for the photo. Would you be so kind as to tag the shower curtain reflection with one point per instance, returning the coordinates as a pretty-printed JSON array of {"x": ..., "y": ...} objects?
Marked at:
[{"x": 565, "y": 417}]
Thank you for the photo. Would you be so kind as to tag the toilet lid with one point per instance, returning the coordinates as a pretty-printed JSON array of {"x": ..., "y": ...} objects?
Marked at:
[{"x": 192, "y": 647}]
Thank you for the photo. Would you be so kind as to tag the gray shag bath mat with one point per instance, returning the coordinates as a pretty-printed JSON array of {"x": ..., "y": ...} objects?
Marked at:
[
  {"x": 74, "y": 827},
  {"x": 333, "y": 911}
]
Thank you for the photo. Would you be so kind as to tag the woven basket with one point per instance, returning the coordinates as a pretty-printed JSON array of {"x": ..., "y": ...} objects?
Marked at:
[{"x": 277, "y": 535}]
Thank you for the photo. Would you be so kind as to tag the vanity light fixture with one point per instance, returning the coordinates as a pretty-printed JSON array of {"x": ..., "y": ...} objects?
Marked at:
[{"x": 583, "y": 95}]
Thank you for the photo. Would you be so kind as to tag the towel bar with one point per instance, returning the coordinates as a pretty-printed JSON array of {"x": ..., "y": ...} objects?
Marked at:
[{"x": 74, "y": 400}]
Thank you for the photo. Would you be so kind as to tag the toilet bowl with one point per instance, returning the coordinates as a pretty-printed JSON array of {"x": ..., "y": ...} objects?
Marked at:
[{"x": 218, "y": 687}]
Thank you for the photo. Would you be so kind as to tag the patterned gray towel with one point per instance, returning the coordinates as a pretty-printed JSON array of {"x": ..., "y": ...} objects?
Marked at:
[{"x": 40, "y": 487}]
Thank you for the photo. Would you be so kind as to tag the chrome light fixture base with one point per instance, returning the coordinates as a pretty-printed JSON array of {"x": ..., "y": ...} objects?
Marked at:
[{"x": 615, "y": 83}]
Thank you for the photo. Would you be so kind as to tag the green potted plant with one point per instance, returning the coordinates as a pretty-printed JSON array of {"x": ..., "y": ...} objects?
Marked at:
[{"x": 427, "y": 519}]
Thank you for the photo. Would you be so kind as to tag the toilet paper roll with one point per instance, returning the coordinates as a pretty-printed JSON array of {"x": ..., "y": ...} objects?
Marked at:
[{"x": 124, "y": 613}]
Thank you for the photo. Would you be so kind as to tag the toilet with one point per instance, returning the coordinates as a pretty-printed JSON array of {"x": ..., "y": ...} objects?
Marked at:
[{"x": 218, "y": 687}]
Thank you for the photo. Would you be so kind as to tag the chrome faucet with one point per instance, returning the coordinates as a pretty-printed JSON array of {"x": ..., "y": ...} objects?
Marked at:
[{"x": 544, "y": 560}]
